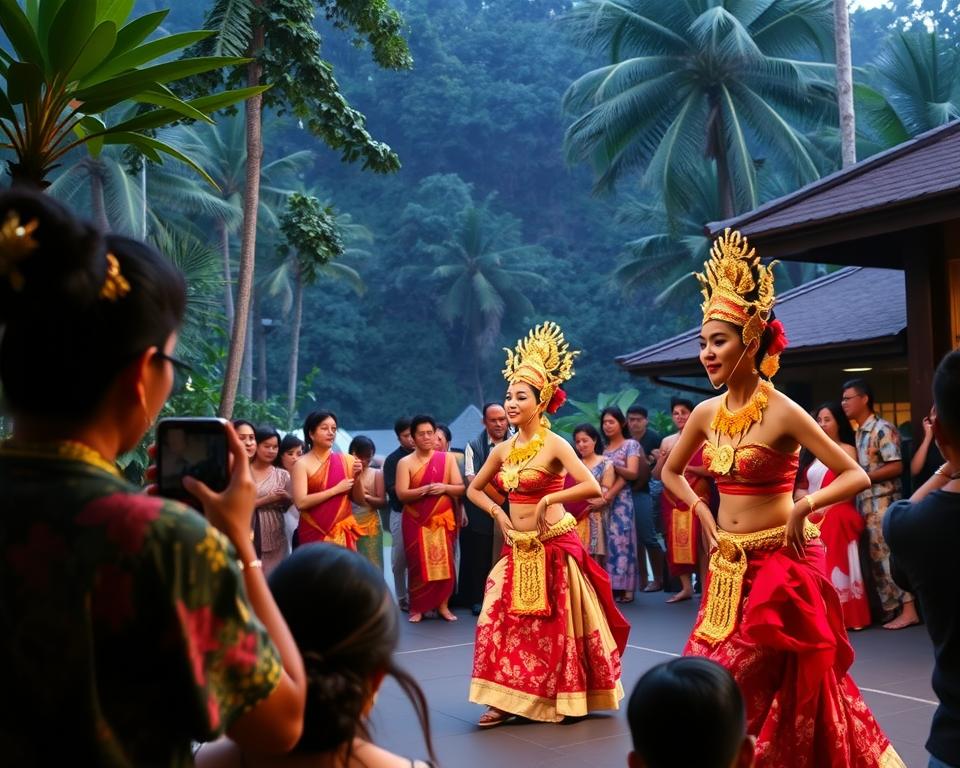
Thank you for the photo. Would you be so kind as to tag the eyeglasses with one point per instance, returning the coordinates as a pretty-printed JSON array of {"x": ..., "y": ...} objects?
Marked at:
[
  {"x": 848, "y": 398},
  {"x": 181, "y": 371}
]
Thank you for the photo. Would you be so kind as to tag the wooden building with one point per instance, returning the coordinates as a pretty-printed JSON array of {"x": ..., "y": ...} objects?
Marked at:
[{"x": 898, "y": 210}]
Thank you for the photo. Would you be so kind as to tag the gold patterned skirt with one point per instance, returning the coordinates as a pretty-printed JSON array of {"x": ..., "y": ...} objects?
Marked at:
[
  {"x": 549, "y": 636},
  {"x": 776, "y": 623}
]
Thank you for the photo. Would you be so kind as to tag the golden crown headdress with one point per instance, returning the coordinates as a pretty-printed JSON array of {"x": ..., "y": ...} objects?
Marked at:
[
  {"x": 543, "y": 360},
  {"x": 737, "y": 288}
]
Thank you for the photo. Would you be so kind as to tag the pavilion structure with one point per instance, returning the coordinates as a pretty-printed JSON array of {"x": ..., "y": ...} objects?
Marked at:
[{"x": 893, "y": 221}]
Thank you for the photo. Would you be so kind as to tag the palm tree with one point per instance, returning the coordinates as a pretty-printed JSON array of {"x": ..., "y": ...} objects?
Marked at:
[
  {"x": 286, "y": 53},
  {"x": 221, "y": 150},
  {"x": 480, "y": 291},
  {"x": 917, "y": 78},
  {"x": 848, "y": 124},
  {"x": 115, "y": 197},
  {"x": 675, "y": 245},
  {"x": 700, "y": 78},
  {"x": 300, "y": 268}
]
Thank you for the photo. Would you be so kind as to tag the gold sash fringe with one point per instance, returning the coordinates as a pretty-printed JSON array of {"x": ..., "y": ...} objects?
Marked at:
[
  {"x": 528, "y": 595},
  {"x": 728, "y": 564}
]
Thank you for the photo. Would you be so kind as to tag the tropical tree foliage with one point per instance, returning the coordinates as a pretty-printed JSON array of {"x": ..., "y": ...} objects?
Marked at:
[
  {"x": 287, "y": 53},
  {"x": 917, "y": 78},
  {"x": 480, "y": 287},
  {"x": 71, "y": 61},
  {"x": 721, "y": 79}
]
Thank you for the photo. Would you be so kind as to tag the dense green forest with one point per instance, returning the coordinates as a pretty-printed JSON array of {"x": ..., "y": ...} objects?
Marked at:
[{"x": 527, "y": 190}]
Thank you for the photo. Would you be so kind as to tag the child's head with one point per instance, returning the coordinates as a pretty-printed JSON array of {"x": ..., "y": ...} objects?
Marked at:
[{"x": 689, "y": 695}]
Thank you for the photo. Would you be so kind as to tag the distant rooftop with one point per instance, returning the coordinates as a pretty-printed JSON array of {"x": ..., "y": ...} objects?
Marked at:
[{"x": 851, "y": 312}]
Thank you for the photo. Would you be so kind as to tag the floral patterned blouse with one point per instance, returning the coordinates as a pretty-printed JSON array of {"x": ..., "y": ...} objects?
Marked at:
[{"x": 125, "y": 630}]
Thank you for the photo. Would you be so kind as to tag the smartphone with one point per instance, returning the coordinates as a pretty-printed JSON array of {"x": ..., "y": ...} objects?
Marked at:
[{"x": 194, "y": 447}]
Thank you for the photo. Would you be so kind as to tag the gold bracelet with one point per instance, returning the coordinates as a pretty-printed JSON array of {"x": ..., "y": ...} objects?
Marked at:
[
  {"x": 546, "y": 500},
  {"x": 810, "y": 503},
  {"x": 942, "y": 470},
  {"x": 252, "y": 564},
  {"x": 492, "y": 509}
]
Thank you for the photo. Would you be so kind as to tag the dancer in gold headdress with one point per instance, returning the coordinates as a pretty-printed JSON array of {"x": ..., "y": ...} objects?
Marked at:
[
  {"x": 549, "y": 636},
  {"x": 786, "y": 645}
]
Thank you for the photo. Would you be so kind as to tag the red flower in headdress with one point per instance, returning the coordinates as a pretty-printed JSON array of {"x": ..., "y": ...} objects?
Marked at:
[
  {"x": 778, "y": 339},
  {"x": 558, "y": 399}
]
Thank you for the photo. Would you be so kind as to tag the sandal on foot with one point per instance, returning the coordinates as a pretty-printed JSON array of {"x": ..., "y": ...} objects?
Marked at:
[{"x": 494, "y": 717}]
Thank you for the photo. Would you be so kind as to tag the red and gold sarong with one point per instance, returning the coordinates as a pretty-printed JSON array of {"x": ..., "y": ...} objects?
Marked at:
[
  {"x": 681, "y": 526},
  {"x": 549, "y": 637},
  {"x": 429, "y": 530},
  {"x": 331, "y": 520},
  {"x": 776, "y": 623}
]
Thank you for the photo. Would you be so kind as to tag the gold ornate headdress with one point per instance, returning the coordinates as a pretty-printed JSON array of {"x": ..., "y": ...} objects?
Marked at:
[
  {"x": 17, "y": 243},
  {"x": 737, "y": 288},
  {"x": 544, "y": 361}
]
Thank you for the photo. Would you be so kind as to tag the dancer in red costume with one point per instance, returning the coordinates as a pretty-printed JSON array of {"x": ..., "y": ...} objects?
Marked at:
[
  {"x": 549, "y": 636},
  {"x": 770, "y": 614}
]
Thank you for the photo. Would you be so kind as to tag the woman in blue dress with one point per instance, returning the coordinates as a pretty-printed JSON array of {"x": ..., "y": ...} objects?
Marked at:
[{"x": 624, "y": 453}]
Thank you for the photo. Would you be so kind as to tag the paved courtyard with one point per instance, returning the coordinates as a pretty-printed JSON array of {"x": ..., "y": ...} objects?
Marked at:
[{"x": 892, "y": 669}]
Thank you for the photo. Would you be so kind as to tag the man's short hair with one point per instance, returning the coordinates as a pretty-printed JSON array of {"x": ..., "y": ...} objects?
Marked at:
[
  {"x": 637, "y": 409},
  {"x": 401, "y": 425},
  {"x": 689, "y": 695},
  {"x": 946, "y": 393},
  {"x": 675, "y": 401},
  {"x": 861, "y": 387},
  {"x": 419, "y": 419},
  {"x": 488, "y": 406}
]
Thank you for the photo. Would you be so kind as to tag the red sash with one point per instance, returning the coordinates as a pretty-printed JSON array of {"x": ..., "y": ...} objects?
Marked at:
[
  {"x": 429, "y": 526},
  {"x": 331, "y": 520}
]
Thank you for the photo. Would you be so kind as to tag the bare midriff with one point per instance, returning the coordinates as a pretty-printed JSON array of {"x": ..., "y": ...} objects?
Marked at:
[
  {"x": 524, "y": 516},
  {"x": 746, "y": 514}
]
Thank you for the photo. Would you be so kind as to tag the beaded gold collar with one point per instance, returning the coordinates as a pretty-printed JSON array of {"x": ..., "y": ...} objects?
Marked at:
[
  {"x": 518, "y": 458},
  {"x": 735, "y": 424},
  {"x": 69, "y": 450}
]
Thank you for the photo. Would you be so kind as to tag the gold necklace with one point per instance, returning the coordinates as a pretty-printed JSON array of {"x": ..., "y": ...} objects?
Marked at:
[
  {"x": 518, "y": 458},
  {"x": 736, "y": 424},
  {"x": 69, "y": 450}
]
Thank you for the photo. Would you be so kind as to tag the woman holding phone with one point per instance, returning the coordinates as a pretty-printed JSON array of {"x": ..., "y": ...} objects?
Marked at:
[{"x": 130, "y": 622}]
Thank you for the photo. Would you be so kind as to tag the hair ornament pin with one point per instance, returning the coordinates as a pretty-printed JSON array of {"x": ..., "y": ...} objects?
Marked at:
[
  {"x": 16, "y": 243},
  {"x": 115, "y": 285}
]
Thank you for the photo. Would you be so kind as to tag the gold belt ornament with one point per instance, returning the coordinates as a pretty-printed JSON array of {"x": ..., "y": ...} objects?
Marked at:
[
  {"x": 528, "y": 594},
  {"x": 728, "y": 565}
]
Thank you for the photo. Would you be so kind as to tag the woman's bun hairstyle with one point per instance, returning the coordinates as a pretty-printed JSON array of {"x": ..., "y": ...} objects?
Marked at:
[
  {"x": 63, "y": 342},
  {"x": 346, "y": 625}
]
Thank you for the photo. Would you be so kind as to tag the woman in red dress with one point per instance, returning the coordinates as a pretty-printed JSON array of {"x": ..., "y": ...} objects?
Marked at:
[
  {"x": 549, "y": 636},
  {"x": 841, "y": 524},
  {"x": 770, "y": 614}
]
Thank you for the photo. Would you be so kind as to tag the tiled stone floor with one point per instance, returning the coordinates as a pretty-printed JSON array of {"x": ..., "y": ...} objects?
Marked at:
[{"x": 892, "y": 668}]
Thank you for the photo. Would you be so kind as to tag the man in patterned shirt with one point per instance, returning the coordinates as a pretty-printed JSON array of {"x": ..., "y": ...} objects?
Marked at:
[{"x": 878, "y": 451}]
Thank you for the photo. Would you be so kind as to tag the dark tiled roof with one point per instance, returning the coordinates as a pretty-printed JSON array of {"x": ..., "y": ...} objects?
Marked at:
[
  {"x": 918, "y": 170},
  {"x": 851, "y": 307}
]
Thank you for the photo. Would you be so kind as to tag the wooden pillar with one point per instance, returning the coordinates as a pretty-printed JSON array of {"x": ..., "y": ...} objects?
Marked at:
[{"x": 928, "y": 318}]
